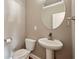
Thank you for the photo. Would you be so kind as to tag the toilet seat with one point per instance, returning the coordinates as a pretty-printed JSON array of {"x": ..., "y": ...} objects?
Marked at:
[{"x": 22, "y": 53}]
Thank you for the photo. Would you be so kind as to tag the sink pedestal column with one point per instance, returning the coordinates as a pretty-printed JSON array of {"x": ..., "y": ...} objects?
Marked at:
[{"x": 49, "y": 54}]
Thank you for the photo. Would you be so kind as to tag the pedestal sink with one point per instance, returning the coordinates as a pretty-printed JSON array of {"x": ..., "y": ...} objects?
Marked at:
[{"x": 50, "y": 46}]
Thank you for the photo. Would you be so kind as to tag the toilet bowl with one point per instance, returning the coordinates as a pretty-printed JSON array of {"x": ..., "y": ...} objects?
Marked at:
[{"x": 24, "y": 53}]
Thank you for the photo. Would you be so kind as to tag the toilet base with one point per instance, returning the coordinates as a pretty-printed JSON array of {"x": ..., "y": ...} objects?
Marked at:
[{"x": 22, "y": 57}]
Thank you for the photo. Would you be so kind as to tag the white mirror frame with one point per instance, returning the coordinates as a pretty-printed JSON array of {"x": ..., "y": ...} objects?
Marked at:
[{"x": 53, "y": 4}]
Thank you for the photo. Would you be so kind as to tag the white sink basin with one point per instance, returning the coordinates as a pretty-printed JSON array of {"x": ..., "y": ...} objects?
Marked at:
[{"x": 50, "y": 44}]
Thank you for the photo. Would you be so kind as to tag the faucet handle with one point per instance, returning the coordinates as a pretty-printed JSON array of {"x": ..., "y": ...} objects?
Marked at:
[{"x": 50, "y": 34}]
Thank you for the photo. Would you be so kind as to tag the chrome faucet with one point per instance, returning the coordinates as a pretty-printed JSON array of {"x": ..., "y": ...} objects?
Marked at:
[{"x": 50, "y": 36}]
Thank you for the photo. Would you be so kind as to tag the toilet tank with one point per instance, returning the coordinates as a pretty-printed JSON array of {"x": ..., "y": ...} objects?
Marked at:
[{"x": 30, "y": 44}]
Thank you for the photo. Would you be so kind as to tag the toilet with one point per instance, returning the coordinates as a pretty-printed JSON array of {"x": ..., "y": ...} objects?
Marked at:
[{"x": 24, "y": 53}]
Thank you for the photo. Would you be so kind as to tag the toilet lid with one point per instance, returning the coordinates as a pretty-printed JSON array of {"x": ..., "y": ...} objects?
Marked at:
[{"x": 21, "y": 52}]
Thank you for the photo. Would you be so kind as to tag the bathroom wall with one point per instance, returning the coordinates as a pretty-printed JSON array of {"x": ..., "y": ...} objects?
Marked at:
[
  {"x": 63, "y": 33},
  {"x": 73, "y": 7},
  {"x": 15, "y": 22},
  {"x": 73, "y": 28},
  {"x": 73, "y": 38},
  {"x": 33, "y": 19}
]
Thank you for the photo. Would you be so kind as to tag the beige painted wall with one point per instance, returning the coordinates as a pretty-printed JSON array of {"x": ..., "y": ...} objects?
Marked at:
[
  {"x": 63, "y": 33},
  {"x": 73, "y": 7}
]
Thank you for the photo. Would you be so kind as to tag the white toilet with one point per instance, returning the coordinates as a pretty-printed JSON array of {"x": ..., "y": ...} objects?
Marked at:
[{"x": 24, "y": 53}]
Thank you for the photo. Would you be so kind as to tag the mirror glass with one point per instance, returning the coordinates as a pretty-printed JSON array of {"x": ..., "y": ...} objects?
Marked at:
[{"x": 53, "y": 13}]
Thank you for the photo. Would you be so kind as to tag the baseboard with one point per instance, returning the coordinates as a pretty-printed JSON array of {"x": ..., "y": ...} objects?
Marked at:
[{"x": 34, "y": 56}]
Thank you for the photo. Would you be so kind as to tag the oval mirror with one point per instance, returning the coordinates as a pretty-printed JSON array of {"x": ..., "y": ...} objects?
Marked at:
[{"x": 53, "y": 13}]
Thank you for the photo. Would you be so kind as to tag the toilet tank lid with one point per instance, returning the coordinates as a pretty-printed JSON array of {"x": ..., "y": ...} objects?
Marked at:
[{"x": 29, "y": 39}]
